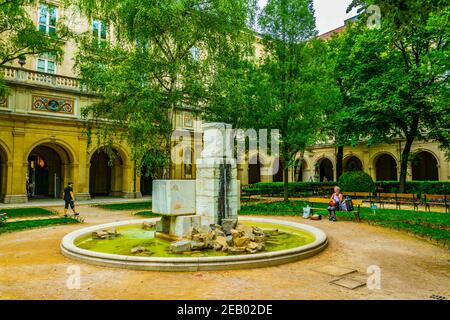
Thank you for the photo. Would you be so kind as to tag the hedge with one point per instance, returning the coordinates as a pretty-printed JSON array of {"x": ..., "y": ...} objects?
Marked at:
[
  {"x": 356, "y": 181},
  {"x": 416, "y": 187},
  {"x": 276, "y": 188},
  {"x": 308, "y": 188}
]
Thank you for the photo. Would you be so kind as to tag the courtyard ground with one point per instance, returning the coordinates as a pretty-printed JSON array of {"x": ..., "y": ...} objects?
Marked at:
[{"x": 33, "y": 268}]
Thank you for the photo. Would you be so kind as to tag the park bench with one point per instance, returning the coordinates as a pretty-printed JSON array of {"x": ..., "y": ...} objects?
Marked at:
[
  {"x": 324, "y": 190},
  {"x": 398, "y": 199},
  {"x": 436, "y": 200},
  {"x": 356, "y": 204},
  {"x": 365, "y": 196}
]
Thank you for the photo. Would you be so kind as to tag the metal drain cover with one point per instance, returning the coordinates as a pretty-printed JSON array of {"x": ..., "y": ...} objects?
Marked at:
[
  {"x": 348, "y": 283},
  {"x": 334, "y": 271},
  {"x": 438, "y": 297}
]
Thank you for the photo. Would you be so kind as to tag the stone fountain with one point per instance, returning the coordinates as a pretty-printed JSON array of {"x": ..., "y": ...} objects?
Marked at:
[
  {"x": 211, "y": 199},
  {"x": 198, "y": 217}
]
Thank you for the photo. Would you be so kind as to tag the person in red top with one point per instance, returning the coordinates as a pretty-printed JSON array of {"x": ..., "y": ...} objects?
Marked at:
[{"x": 336, "y": 203}]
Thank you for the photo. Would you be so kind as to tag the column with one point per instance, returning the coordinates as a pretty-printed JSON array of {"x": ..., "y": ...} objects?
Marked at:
[
  {"x": 17, "y": 176},
  {"x": 81, "y": 171}
]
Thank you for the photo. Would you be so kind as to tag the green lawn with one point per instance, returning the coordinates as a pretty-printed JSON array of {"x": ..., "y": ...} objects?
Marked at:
[
  {"x": 126, "y": 206},
  {"x": 434, "y": 225},
  {"x": 27, "y": 212},
  {"x": 31, "y": 224}
]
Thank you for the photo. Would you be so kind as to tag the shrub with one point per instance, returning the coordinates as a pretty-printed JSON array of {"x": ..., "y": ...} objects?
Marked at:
[
  {"x": 297, "y": 189},
  {"x": 294, "y": 188},
  {"x": 416, "y": 187},
  {"x": 356, "y": 181}
]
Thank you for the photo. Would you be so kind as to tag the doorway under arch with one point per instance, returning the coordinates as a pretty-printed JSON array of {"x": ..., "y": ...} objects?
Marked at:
[
  {"x": 386, "y": 168},
  {"x": 325, "y": 170},
  {"x": 106, "y": 174},
  {"x": 425, "y": 167},
  {"x": 254, "y": 170},
  {"x": 47, "y": 172},
  {"x": 353, "y": 164},
  {"x": 299, "y": 170},
  {"x": 278, "y": 175}
]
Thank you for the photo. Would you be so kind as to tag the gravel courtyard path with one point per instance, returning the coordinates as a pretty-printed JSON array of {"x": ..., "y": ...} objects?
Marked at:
[{"x": 32, "y": 267}]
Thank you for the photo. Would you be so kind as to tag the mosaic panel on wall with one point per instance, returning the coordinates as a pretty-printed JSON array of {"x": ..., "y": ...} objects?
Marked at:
[{"x": 52, "y": 104}]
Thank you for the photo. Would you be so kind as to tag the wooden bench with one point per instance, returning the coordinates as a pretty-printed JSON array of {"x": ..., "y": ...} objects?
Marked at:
[
  {"x": 436, "y": 200},
  {"x": 356, "y": 204},
  {"x": 365, "y": 196},
  {"x": 324, "y": 190},
  {"x": 398, "y": 199}
]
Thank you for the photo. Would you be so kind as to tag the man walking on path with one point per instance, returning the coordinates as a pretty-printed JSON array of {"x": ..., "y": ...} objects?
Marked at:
[{"x": 69, "y": 199}]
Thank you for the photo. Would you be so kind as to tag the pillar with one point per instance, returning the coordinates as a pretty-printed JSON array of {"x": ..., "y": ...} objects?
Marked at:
[
  {"x": 81, "y": 171},
  {"x": 242, "y": 173},
  {"x": 16, "y": 185}
]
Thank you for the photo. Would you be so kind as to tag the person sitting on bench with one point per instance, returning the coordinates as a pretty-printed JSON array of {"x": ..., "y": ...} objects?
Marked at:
[{"x": 336, "y": 203}]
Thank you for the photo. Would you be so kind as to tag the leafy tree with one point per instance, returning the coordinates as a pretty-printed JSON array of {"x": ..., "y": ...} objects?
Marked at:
[
  {"x": 284, "y": 90},
  {"x": 161, "y": 59},
  {"x": 338, "y": 125},
  {"x": 397, "y": 75},
  {"x": 19, "y": 36}
]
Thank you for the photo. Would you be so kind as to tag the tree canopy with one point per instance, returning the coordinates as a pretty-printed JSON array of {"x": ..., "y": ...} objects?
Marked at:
[
  {"x": 160, "y": 59},
  {"x": 19, "y": 36},
  {"x": 283, "y": 89},
  {"x": 397, "y": 75}
]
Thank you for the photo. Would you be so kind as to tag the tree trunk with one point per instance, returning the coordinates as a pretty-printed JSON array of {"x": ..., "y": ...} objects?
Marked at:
[
  {"x": 404, "y": 163},
  {"x": 339, "y": 162},
  {"x": 286, "y": 182}
]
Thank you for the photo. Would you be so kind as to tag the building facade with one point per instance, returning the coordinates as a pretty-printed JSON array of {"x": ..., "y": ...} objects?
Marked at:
[{"x": 43, "y": 144}]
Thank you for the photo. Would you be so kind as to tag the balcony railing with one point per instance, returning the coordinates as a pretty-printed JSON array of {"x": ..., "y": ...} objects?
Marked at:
[{"x": 31, "y": 77}]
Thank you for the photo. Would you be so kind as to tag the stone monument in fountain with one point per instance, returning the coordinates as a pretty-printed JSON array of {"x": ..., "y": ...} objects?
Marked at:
[{"x": 212, "y": 199}]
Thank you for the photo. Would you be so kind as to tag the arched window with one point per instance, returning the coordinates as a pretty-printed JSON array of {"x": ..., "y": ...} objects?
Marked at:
[
  {"x": 386, "y": 168},
  {"x": 425, "y": 167}
]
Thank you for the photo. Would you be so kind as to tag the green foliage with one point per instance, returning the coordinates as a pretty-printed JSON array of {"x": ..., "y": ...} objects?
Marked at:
[
  {"x": 126, "y": 206},
  {"x": 416, "y": 187},
  {"x": 283, "y": 89},
  {"x": 27, "y": 212},
  {"x": 32, "y": 224},
  {"x": 19, "y": 36},
  {"x": 433, "y": 225},
  {"x": 149, "y": 71},
  {"x": 397, "y": 75},
  {"x": 295, "y": 189},
  {"x": 274, "y": 208},
  {"x": 147, "y": 214},
  {"x": 356, "y": 181}
]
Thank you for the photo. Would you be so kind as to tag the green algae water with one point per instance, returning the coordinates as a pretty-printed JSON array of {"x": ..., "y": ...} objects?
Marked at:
[{"x": 134, "y": 236}]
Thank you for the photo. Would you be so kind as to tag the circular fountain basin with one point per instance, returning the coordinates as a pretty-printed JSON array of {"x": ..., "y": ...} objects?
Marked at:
[{"x": 71, "y": 246}]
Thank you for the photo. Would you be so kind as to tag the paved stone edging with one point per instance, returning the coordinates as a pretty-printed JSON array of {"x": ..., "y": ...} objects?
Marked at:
[{"x": 266, "y": 259}]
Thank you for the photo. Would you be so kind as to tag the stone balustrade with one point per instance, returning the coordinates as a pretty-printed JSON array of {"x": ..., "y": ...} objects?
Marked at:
[{"x": 31, "y": 77}]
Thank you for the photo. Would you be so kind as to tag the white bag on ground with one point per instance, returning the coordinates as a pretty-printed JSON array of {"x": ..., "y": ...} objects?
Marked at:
[{"x": 306, "y": 212}]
